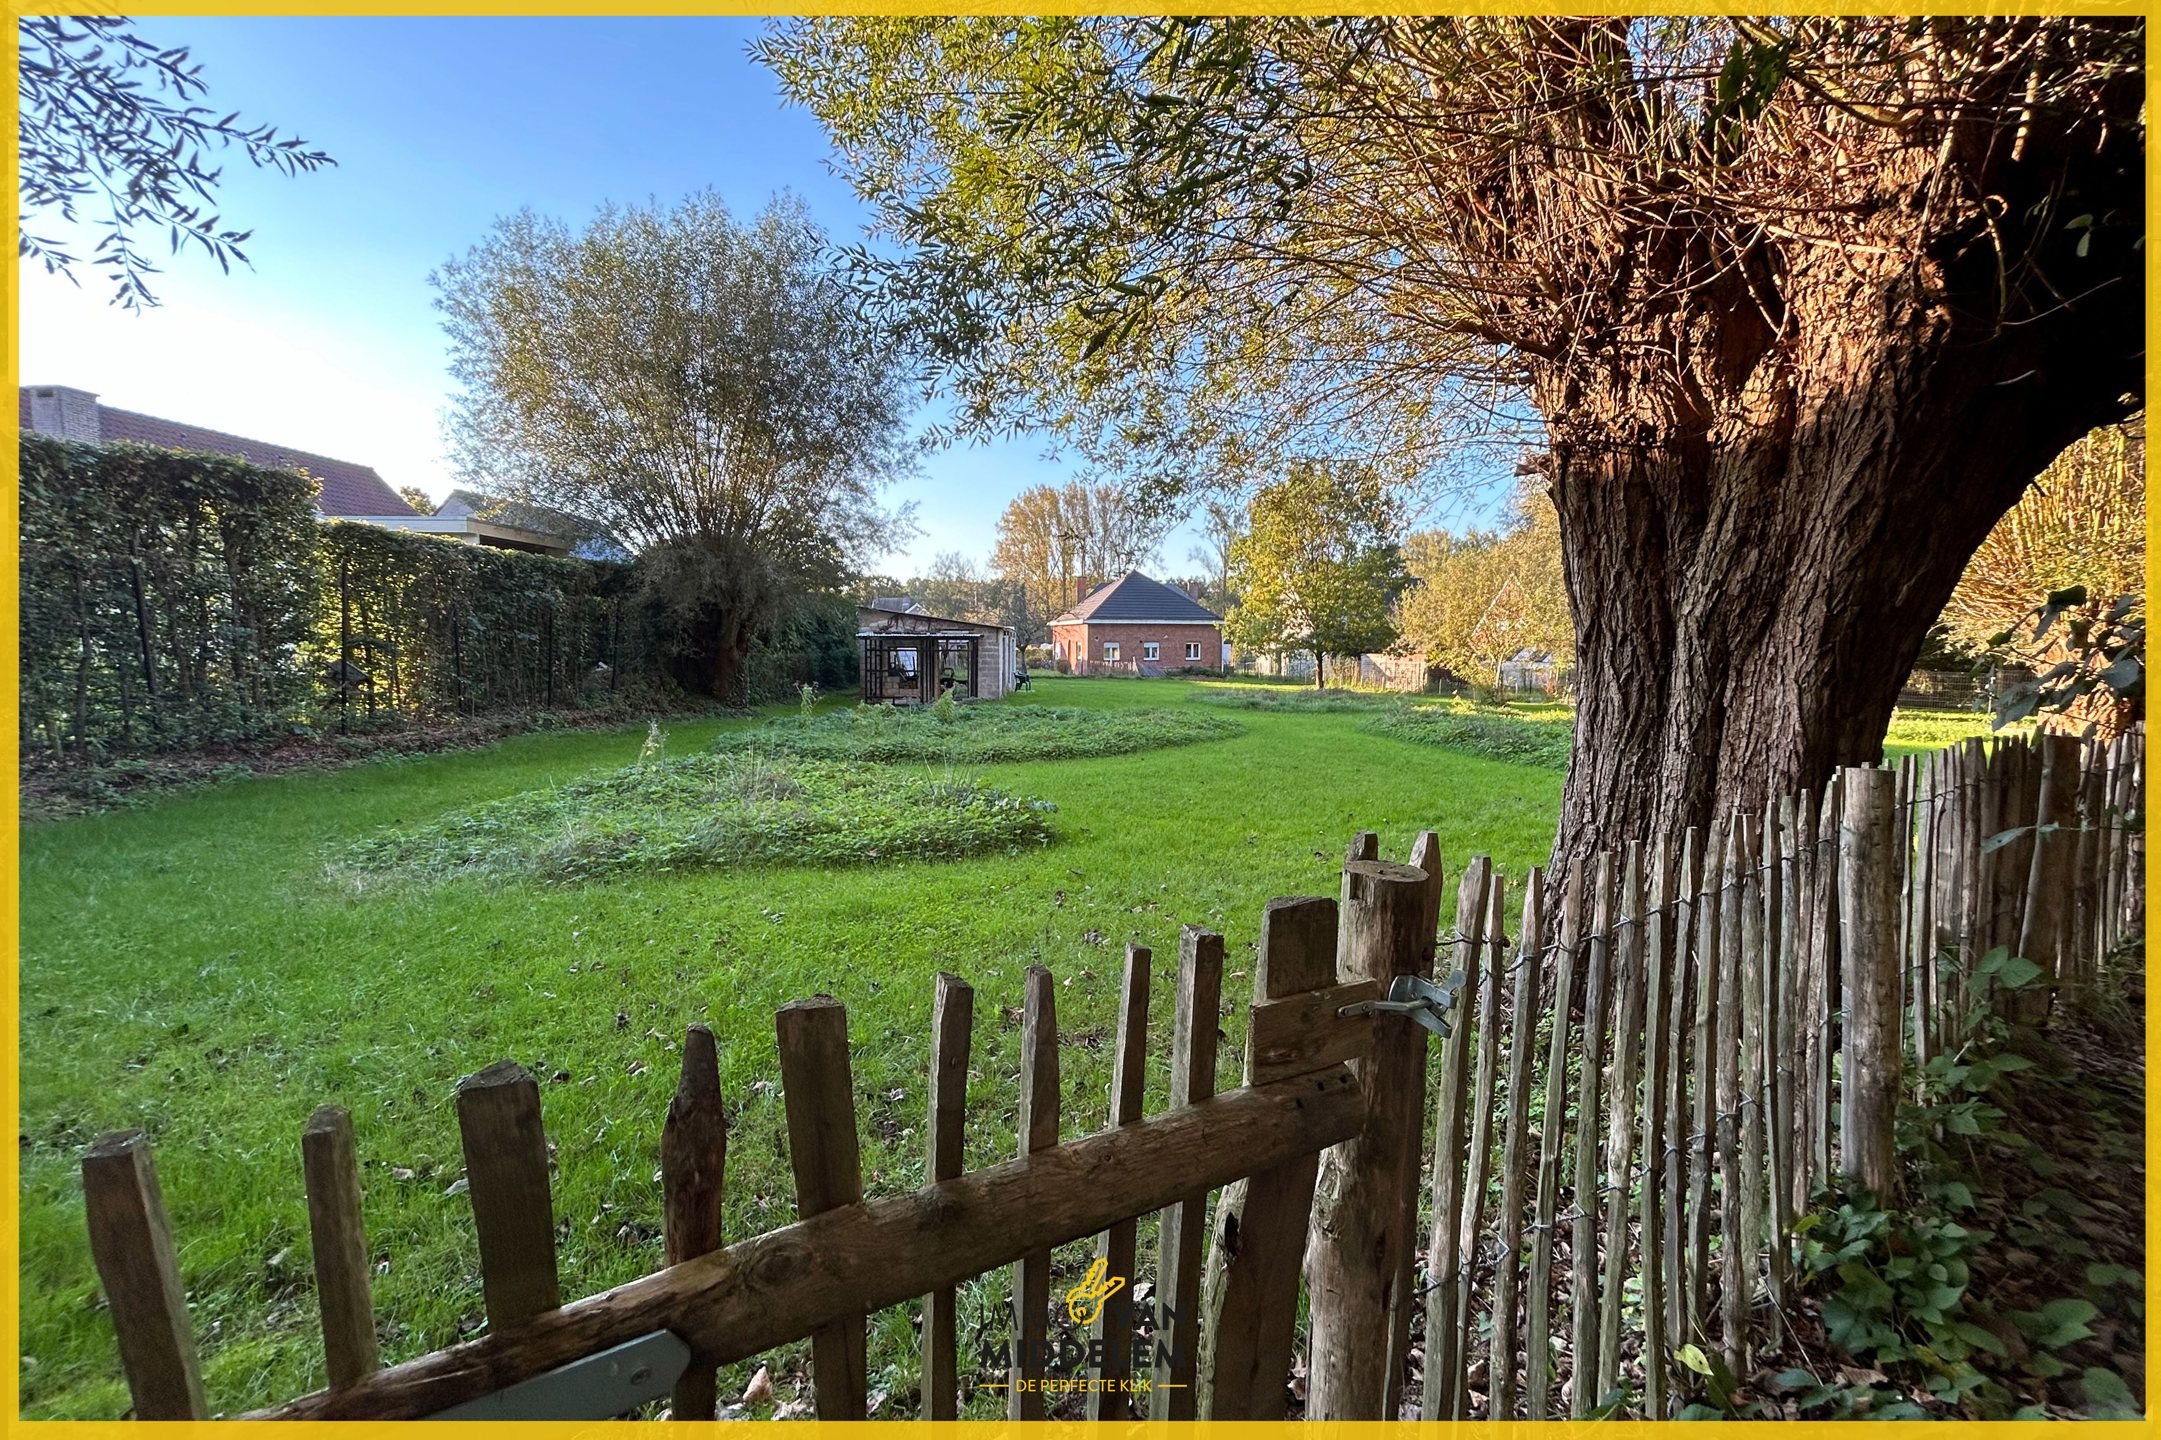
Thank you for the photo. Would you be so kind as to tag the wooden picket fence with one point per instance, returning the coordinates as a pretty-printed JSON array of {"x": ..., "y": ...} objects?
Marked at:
[
  {"x": 1712, "y": 1027},
  {"x": 1706, "y": 1029}
]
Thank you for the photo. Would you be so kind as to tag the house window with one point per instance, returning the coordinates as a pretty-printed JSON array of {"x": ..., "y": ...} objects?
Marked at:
[
  {"x": 1193, "y": 649},
  {"x": 1151, "y": 651},
  {"x": 1110, "y": 649}
]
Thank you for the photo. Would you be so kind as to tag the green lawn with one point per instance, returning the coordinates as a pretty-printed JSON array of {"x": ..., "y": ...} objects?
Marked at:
[{"x": 196, "y": 968}]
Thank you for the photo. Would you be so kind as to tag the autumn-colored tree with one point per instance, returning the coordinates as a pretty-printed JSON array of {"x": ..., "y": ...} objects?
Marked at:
[
  {"x": 1802, "y": 303},
  {"x": 1318, "y": 567},
  {"x": 2082, "y": 524},
  {"x": 1052, "y": 538},
  {"x": 1480, "y": 597}
]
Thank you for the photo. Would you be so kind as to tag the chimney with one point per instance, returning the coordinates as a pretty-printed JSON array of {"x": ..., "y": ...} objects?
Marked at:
[
  {"x": 1086, "y": 588},
  {"x": 1193, "y": 589},
  {"x": 69, "y": 414}
]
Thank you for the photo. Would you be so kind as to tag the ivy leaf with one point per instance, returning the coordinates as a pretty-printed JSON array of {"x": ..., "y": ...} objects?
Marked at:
[
  {"x": 2107, "y": 1397},
  {"x": 2058, "y": 1323}
]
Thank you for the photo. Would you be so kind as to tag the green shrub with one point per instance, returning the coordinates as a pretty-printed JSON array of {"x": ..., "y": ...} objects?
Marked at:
[
  {"x": 753, "y": 808},
  {"x": 979, "y": 734},
  {"x": 1520, "y": 740}
]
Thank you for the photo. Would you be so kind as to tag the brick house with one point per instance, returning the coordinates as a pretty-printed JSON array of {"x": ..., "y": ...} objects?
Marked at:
[{"x": 1137, "y": 626}]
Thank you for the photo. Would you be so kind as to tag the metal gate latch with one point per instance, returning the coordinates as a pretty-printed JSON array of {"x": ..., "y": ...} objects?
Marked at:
[{"x": 1417, "y": 997}]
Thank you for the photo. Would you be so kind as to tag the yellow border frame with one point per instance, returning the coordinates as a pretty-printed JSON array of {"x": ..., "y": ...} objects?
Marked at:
[{"x": 10, "y": 739}]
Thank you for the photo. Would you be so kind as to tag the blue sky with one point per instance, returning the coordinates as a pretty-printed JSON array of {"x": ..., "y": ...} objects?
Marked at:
[{"x": 440, "y": 125}]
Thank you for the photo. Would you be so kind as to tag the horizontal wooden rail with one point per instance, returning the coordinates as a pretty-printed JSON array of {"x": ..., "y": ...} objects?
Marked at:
[{"x": 779, "y": 1286}]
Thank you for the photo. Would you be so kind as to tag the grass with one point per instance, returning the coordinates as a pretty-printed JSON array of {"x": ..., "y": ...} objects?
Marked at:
[
  {"x": 978, "y": 734},
  {"x": 1523, "y": 739},
  {"x": 733, "y": 809},
  {"x": 188, "y": 968}
]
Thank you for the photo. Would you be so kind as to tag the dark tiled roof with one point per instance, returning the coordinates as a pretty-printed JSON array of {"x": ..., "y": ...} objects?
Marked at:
[
  {"x": 347, "y": 489},
  {"x": 1135, "y": 597}
]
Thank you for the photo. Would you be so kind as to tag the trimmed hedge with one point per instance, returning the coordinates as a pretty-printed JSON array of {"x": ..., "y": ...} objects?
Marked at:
[
  {"x": 434, "y": 629},
  {"x": 172, "y": 599}
]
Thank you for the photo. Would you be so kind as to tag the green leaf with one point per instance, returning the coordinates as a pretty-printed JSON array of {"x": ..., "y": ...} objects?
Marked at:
[
  {"x": 2101, "y": 1277},
  {"x": 2017, "y": 973},
  {"x": 2002, "y": 838},
  {"x": 2058, "y": 1323},
  {"x": 2107, "y": 1396},
  {"x": 1693, "y": 1357}
]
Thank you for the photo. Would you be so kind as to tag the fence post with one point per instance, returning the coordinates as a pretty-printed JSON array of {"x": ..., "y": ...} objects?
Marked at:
[
  {"x": 1259, "y": 1232},
  {"x": 693, "y": 1176},
  {"x": 951, "y": 1026},
  {"x": 1110, "y": 1397},
  {"x": 133, "y": 1248},
  {"x": 2049, "y": 876},
  {"x": 506, "y": 1174},
  {"x": 1354, "y": 1256},
  {"x": 1868, "y": 925},
  {"x": 1183, "y": 1229},
  {"x": 332, "y": 1174},
  {"x": 818, "y": 1094}
]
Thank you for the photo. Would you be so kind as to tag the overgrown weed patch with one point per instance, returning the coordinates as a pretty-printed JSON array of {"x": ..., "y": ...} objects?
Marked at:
[{"x": 739, "y": 809}]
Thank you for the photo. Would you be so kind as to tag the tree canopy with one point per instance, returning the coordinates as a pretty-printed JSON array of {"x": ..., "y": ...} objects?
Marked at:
[
  {"x": 1318, "y": 566},
  {"x": 699, "y": 386},
  {"x": 1186, "y": 242},
  {"x": 1771, "y": 287},
  {"x": 111, "y": 135}
]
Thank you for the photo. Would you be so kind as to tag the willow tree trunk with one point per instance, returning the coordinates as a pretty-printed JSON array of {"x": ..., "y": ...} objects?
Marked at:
[{"x": 1757, "y": 547}]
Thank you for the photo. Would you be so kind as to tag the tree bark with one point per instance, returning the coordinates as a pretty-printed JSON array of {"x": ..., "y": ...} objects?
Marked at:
[
  {"x": 1755, "y": 554},
  {"x": 1758, "y": 539},
  {"x": 731, "y": 663}
]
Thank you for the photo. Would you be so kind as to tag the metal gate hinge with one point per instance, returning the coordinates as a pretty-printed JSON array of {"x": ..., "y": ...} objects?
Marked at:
[{"x": 1417, "y": 997}]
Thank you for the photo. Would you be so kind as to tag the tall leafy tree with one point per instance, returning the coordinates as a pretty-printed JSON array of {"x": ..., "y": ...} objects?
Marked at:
[
  {"x": 1051, "y": 539},
  {"x": 1479, "y": 597},
  {"x": 1802, "y": 303},
  {"x": 1317, "y": 567},
  {"x": 699, "y": 386},
  {"x": 112, "y": 135}
]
